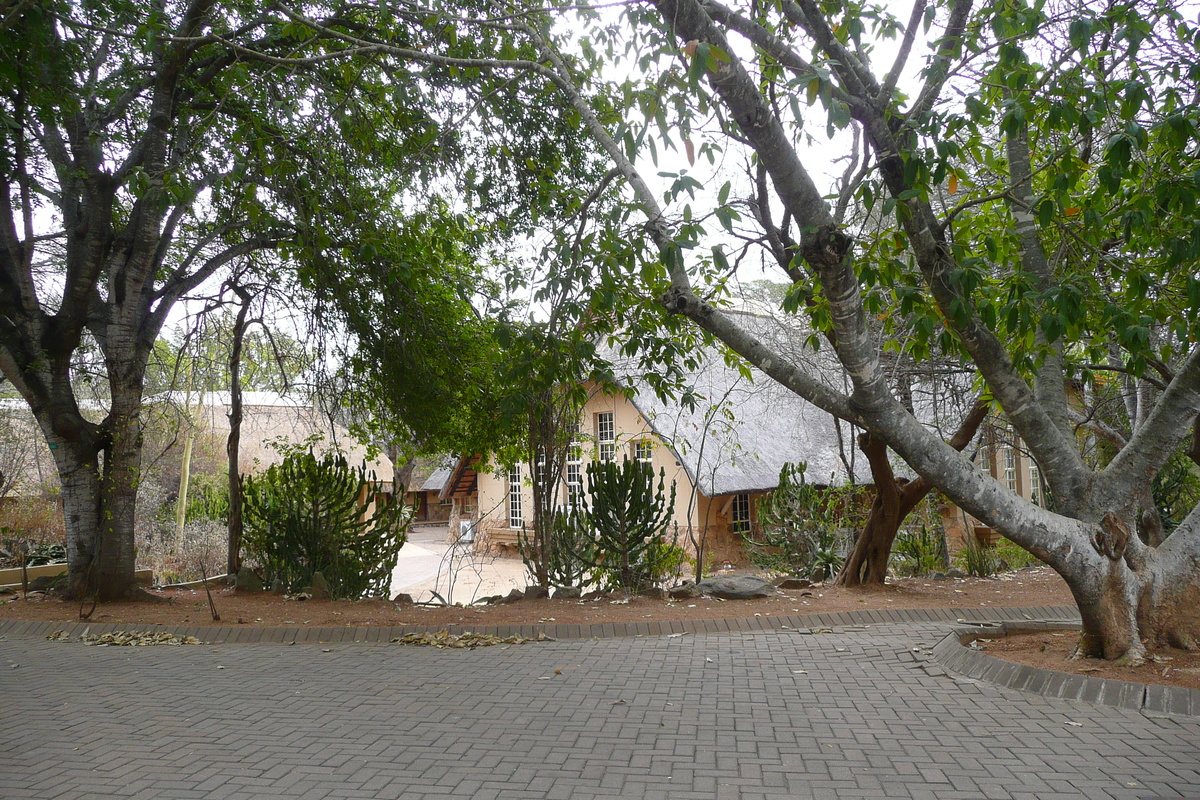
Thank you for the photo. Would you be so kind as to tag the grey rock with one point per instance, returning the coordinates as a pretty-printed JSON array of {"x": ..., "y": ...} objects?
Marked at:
[
  {"x": 44, "y": 583},
  {"x": 684, "y": 591},
  {"x": 320, "y": 587},
  {"x": 736, "y": 587},
  {"x": 567, "y": 592},
  {"x": 248, "y": 581},
  {"x": 5, "y": 590},
  {"x": 537, "y": 592},
  {"x": 655, "y": 593},
  {"x": 514, "y": 596},
  {"x": 956, "y": 573},
  {"x": 793, "y": 583},
  {"x": 403, "y": 599},
  {"x": 939, "y": 576}
]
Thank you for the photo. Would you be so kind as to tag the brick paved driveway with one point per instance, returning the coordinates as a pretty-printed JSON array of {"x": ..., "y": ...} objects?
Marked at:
[{"x": 773, "y": 714}]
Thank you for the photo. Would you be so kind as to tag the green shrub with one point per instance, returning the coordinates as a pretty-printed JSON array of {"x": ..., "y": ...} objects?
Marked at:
[
  {"x": 41, "y": 554},
  {"x": 208, "y": 498},
  {"x": 303, "y": 516},
  {"x": 568, "y": 538},
  {"x": 626, "y": 520},
  {"x": 977, "y": 559},
  {"x": 918, "y": 552},
  {"x": 1010, "y": 556},
  {"x": 797, "y": 530}
]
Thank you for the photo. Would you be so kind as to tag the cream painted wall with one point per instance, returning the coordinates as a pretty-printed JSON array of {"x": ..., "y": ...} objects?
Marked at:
[{"x": 705, "y": 514}]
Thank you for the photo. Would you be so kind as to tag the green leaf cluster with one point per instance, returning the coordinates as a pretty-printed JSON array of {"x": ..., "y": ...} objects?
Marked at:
[
  {"x": 311, "y": 514},
  {"x": 621, "y": 526}
]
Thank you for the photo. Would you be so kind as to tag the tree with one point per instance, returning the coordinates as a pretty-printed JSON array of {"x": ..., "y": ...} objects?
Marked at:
[
  {"x": 1070, "y": 133},
  {"x": 146, "y": 148},
  {"x": 626, "y": 520},
  {"x": 1078, "y": 232}
]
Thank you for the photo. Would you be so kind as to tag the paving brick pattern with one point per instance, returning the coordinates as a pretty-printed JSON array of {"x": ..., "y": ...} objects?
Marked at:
[{"x": 858, "y": 713}]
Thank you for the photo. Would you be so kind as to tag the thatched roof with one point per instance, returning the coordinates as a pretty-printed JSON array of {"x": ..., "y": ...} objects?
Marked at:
[{"x": 739, "y": 437}]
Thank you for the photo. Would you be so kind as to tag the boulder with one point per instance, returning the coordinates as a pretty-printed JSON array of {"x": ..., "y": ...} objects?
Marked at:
[
  {"x": 248, "y": 581},
  {"x": 655, "y": 593},
  {"x": 514, "y": 596},
  {"x": 320, "y": 587},
  {"x": 955, "y": 572},
  {"x": 684, "y": 591},
  {"x": 939, "y": 576},
  {"x": 403, "y": 599},
  {"x": 789, "y": 582},
  {"x": 537, "y": 592},
  {"x": 567, "y": 592},
  {"x": 44, "y": 583},
  {"x": 736, "y": 587}
]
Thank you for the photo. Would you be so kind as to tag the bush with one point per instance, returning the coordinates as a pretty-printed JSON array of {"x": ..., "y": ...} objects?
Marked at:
[
  {"x": 562, "y": 564},
  {"x": 303, "y": 516},
  {"x": 977, "y": 559},
  {"x": 798, "y": 532},
  {"x": 1010, "y": 556},
  {"x": 625, "y": 545},
  {"x": 918, "y": 552}
]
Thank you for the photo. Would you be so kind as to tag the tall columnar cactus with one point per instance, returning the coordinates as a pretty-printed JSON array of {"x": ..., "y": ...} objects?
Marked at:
[
  {"x": 304, "y": 515},
  {"x": 629, "y": 518}
]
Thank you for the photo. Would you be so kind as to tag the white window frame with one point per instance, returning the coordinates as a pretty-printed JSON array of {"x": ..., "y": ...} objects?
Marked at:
[
  {"x": 1035, "y": 483},
  {"x": 1010, "y": 468},
  {"x": 643, "y": 451},
  {"x": 516, "y": 519},
  {"x": 606, "y": 435},
  {"x": 573, "y": 472},
  {"x": 739, "y": 513}
]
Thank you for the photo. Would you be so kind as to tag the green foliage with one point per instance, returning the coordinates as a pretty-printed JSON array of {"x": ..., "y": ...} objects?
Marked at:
[
  {"x": 304, "y": 515},
  {"x": 977, "y": 559},
  {"x": 46, "y": 554},
  {"x": 627, "y": 518},
  {"x": 560, "y": 560},
  {"x": 208, "y": 498},
  {"x": 1176, "y": 491},
  {"x": 797, "y": 529},
  {"x": 919, "y": 552},
  {"x": 1011, "y": 557}
]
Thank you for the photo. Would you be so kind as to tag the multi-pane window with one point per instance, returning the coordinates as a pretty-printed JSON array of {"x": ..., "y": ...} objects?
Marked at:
[
  {"x": 574, "y": 482},
  {"x": 739, "y": 514},
  {"x": 515, "y": 518},
  {"x": 1035, "y": 483},
  {"x": 1010, "y": 468},
  {"x": 643, "y": 451},
  {"x": 574, "y": 467},
  {"x": 606, "y": 436}
]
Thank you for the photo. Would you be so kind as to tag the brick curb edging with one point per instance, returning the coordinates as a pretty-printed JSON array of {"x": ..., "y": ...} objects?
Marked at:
[
  {"x": 316, "y": 635},
  {"x": 953, "y": 654}
]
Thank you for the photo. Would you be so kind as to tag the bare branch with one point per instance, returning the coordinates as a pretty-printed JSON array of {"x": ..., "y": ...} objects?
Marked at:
[{"x": 910, "y": 35}]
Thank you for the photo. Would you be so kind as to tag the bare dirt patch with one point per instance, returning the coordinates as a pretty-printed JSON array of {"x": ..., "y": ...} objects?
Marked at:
[
  {"x": 1032, "y": 587},
  {"x": 1053, "y": 649}
]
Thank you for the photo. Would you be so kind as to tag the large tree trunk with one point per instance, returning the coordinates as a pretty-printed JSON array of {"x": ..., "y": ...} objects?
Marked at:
[
  {"x": 894, "y": 499},
  {"x": 99, "y": 476},
  {"x": 233, "y": 443},
  {"x": 1130, "y": 595}
]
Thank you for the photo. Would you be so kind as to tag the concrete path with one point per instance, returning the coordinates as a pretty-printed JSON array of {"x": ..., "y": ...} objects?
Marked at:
[
  {"x": 771, "y": 713},
  {"x": 429, "y": 563}
]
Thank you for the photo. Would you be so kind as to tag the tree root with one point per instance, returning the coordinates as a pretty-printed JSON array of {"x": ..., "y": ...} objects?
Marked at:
[{"x": 138, "y": 594}]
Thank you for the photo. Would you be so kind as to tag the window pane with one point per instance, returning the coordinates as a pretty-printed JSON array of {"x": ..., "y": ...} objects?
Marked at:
[{"x": 515, "y": 518}]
